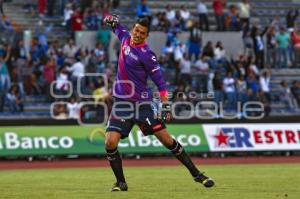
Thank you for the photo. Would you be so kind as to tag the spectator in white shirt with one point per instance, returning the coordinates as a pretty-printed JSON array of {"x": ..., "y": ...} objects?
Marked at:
[
  {"x": 203, "y": 15},
  {"x": 202, "y": 67},
  {"x": 219, "y": 51},
  {"x": 180, "y": 49},
  {"x": 68, "y": 12},
  {"x": 244, "y": 12},
  {"x": 178, "y": 56},
  {"x": 73, "y": 108},
  {"x": 62, "y": 85},
  {"x": 229, "y": 83},
  {"x": 253, "y": 67},
  {"x": 264, "y": 82},
  {"x": 229, "y": 89},
  {"x": 185, "y": 69},
  {"x": 70, "y": 50},
  {"x": 77, "y": 71},
  {"x": 185, "y": 16},
  {"x": 170, "y": 13}
]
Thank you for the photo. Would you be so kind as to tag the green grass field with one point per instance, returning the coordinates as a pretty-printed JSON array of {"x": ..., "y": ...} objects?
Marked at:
[{"x": 232, "y": 182}]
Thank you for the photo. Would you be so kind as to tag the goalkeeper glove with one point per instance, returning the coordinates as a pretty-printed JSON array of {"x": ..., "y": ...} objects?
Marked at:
[{"x": 111, "y": 20}]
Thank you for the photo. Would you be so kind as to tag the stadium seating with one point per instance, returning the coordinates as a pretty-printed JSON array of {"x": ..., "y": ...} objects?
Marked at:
[
  {"x": 262, "y": 11},
  {"x": 36, "y": 106},
  {"x": 279, "y": 108}
]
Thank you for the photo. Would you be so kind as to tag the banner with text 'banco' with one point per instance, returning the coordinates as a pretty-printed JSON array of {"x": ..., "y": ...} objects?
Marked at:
[{"x": 67, "y": 140}]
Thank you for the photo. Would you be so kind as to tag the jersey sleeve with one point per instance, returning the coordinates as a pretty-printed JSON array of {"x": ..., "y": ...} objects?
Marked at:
[
  {"x": 153, "y": 69},
  {"x": 121, "y": 32}
]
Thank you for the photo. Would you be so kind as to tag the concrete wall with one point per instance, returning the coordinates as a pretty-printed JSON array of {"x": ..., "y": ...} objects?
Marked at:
[{"x": 86, "y": 39}]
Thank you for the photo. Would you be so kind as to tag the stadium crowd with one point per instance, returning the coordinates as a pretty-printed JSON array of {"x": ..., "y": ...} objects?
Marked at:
[{"x": 189, "y": 66}]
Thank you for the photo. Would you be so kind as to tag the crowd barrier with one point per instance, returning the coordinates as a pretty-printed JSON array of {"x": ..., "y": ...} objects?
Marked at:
[{"x": 89, "y": 140}]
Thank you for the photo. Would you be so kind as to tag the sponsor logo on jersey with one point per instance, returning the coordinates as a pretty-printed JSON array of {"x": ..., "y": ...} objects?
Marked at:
[
  {"x": 126, "y": 49},
  {"x": 128, "y": 52}
]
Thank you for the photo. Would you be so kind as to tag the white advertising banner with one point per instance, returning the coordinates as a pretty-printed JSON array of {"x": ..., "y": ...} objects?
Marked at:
[{"x": 252, "y": 137}]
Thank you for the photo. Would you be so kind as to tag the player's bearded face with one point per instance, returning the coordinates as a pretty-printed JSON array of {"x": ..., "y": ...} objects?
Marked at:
[{"x": 139, "y": 34}]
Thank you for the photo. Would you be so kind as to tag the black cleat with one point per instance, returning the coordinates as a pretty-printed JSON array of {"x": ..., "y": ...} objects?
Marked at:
[
  {"x": 206, "y": 181},
  {"x": 120, "y": 186}
]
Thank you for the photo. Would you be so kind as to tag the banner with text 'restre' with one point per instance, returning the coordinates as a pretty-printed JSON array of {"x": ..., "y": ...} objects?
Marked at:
[{"x": 252, "y": 137}]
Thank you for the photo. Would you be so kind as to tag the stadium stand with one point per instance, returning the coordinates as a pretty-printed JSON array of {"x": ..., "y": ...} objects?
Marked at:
[{"x": 52, "y": 34}]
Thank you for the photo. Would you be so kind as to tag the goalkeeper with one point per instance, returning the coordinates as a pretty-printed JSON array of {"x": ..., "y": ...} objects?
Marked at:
[{"x": 132, "y": 100}]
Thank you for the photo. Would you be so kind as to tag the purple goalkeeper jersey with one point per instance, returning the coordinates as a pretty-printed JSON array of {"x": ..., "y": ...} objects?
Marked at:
[{"x": 136, "y": 64}]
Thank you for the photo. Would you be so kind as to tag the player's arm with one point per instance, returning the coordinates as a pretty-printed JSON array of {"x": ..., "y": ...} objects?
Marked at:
[
  {"x": 153, "y": 68},
  {"x": 113, "y": 21}
]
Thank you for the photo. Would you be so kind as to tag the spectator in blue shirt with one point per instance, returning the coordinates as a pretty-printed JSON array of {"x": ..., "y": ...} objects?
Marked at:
[
  {"x": 252, "y": 83},
  {"x": 14, "y": 99},
  {"x": 91, "y": 20},
  {"x": 143, "y": 9}
]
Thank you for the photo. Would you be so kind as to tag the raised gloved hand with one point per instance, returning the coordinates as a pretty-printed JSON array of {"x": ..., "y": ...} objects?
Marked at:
[{"x": 111, "y": 20}]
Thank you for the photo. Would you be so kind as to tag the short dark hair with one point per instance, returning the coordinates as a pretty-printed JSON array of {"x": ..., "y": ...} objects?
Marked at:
[{"x": 144, "y": 22}]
